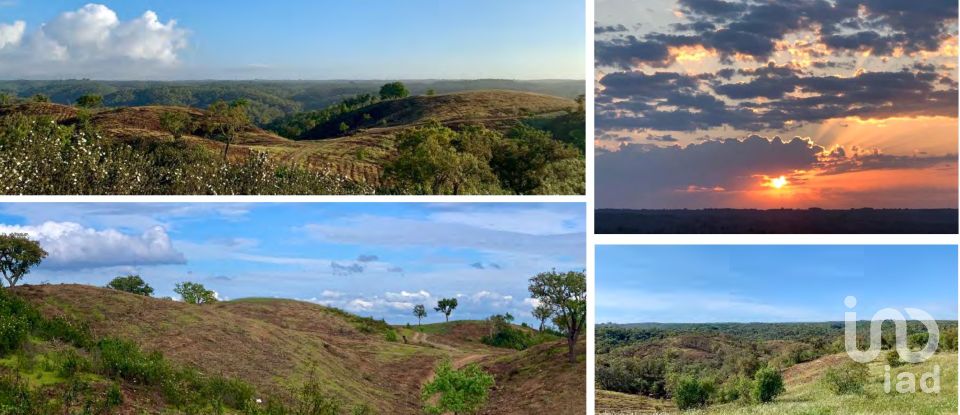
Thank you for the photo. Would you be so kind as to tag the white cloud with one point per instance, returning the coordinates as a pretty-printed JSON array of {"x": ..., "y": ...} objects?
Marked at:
[
  {"x": 407, "y": 296},
  {"x": 70, "y": 245},
  {"x": 91, "y": 42}
]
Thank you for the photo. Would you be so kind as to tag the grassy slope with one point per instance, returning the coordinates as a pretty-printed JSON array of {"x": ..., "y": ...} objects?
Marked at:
[
  {"x": 277, "y": 344},
  {"x": 806, "y": 395},
  {"x": 359, "y": 154}
]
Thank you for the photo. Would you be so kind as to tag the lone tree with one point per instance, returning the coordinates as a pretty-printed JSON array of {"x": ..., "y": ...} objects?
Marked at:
[
  {"x": 446, "y": 306},
  {"x": 565, "y": 293},
  {"x": 18, "y": 253},
  {"x": 90, "y": 101},
  {"x": 542, "y": 312},
  {"x": 394, "y": 90},
  {"x": 177, "y": 123},
  {"x": 226, "y": 120},
  {"x": 194, "y": 293},
  {"x": 420, "y": 311},
  {"x": 132, "y": 284},
  {"x": 462, "y": 391},
  {"x": 40, "y": 98}
]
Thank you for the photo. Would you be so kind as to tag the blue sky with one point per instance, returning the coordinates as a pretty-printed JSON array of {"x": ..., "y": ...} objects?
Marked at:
[
  {"x": 373, "y": 259},
  {"x": 300, "y": 39},
  {"x": 693, "y": 284}
]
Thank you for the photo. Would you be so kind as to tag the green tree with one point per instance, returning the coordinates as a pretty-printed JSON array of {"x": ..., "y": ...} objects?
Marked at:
[
  {"x": 132, "y": 284},
  {"x": 565, "y": 293},
  {"x": 446, "y": 306},
  {"x": 226, "y": 121},
  {"x": 462, "y": 391},
  {"x": 767, "y": 385},
  {"x": 195, "y": 293},
  {"x": 90, "y": 101},
  {"x": 177, "y": 123},
  {"x": 431, "y": 92},
  {"x": 420, "y": 311},
  {"x": 692, "y": 393},
  {"x": 344, "y": 127},
  {"x": 40, "y": 98},
  {"x": 521, "y": 161},
  {"x": 18, "y": 253},
  {"x": 542, "y": 313},
  {"x": 394, "y": 90}
]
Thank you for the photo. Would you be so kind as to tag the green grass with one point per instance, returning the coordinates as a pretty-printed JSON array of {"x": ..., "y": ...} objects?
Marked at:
[{"x": 813, "y": 398}]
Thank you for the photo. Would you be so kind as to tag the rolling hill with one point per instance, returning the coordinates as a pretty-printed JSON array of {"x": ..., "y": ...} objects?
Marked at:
[{"x": 279, "y": 345}]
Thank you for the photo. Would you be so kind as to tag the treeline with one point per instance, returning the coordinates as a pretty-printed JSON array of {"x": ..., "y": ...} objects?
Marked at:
[
  {"x": 269, "y": 100},
  {"x": 701, "y": 364}
]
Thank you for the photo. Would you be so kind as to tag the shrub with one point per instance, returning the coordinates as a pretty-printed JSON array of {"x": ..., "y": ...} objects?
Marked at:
[
  {"x": 848, "y": 378},
  {"x": 391, "y": 335},
  {"x": 13, "y": 332},
  {"x": 69, "y": 363},
  {"x": 114, "y": 395},
  {"x": 692, "y": 393},
  {"x": 123, "y": 359},
  {"x": 738, "y": 389},
  {"x": 893, "y": 358},
  {"x": 462, "y": 391},
  {"x": 767, "y": 385}
]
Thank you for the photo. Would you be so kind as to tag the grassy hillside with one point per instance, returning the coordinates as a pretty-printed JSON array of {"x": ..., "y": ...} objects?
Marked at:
[{"x": 279, "y": 347}]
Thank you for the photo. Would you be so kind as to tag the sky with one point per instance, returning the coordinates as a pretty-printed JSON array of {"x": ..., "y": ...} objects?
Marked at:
[
  {"x": 792, "y": 283},
  {"x": 703, "y": 103},
  {"x": 372, "y": 259},
  {"x": 295, "y": 39}
]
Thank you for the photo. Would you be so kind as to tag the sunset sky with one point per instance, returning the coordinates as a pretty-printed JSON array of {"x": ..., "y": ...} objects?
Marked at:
[{"x": 707, "y": 103}]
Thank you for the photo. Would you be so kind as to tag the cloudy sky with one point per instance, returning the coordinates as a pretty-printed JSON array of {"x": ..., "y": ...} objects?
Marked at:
[
  {"x": 295, "y": 39},
  {"x": 701, "y": 103},
  {"x": 376, "y": 259},
  {"x": 697, "y": 284}
]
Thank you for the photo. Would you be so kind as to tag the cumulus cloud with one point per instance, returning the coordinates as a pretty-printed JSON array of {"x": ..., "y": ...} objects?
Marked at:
[
  {"x": 91, "y": 42},
  {"x": 72, "y": 246}
]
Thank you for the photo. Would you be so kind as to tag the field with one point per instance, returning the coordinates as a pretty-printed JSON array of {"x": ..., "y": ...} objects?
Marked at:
[
  {"x": 296, "y": 138},
  {"x": 278, "y": 346},
  {"x": 683, "y": 221},
  {"x": 721, "y": 353}
]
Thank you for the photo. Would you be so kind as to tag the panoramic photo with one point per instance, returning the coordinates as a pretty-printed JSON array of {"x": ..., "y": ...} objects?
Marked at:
[
  {"x": 294, "y": 308},
  {"x": 315, "y": 97},
  {"x": 810, "y": 116},
  {"x": 805, "y": 330}
]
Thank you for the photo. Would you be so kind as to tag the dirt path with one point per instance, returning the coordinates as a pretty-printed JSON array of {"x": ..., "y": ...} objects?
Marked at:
[{"x": 458, "y": 358}]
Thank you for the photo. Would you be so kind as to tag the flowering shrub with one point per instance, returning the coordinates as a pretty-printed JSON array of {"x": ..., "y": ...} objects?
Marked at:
[{"x": 38, "y": 156}]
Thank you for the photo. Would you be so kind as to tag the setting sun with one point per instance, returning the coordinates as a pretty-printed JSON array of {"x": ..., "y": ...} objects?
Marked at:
[{"x": 778, "y": 182}]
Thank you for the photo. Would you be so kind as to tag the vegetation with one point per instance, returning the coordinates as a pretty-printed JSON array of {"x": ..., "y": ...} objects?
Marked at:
[
  {"x": 446, "y": 306},
  {"x": 394, "y": 90},
  {"x": 90, "y": 101},
  {"x": 195, "y": 293},
  {"x": 767, "y": 384},
  {"x": 848, "y": 378},
  {"x": 460, "y": 391},
  {"x": 420, "y": 312},
  {"x": 565, "y": 293},
  {"x": 542, "y": 313},
  {"x": 177, "y": 123},
  {"x": 132, "y": 284},
  {"x": 18, "y": 253},
  {"x": 692, "y": 393}
]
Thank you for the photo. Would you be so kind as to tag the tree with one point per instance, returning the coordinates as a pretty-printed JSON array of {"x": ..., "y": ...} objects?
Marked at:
[
  {"x": 176, "y": 123},
  {"x": 18, "y": 253},
  {"x": 194, "y": 293},
  {"x": 446, "y": 306},
  {"x": 40, "y": 98},
  {"x": 462, "y": 391},
  {"x": 226, "y": 120},
  {"x": 692, "y": 393},
  {"x": 767, "y": 384},
  {"x": 344, "y": 127},
  {"x": 565, "y": 293},
  {"x": 131, "y": 284},
  {"x": 542, "y": 312},
  {"x": 394, "y": 90},
  {"x": 90, "y": 101},
  {"x": 420, "y": 311},
  {"x": 431, "y": 92}
]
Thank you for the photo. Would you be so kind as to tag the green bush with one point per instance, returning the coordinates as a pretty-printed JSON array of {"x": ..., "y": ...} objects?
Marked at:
[
  {"x": 767, "y": 385},
  {"x": 509, "y": 337},
  {"x": 893, "y": 358},
  {"x": 13, "y": 332},
  {"x": 737, "y": 389},
  {"x": 848, "y": 378},
  {"x": 123, "y": 359},
  {"x": 114, "y": 395},
  {"x": 69, "y": 363},
  {"x": 461, "y": 391},
  {"x": 391, "y": 335},
  {"x": 692, "y": 393}
]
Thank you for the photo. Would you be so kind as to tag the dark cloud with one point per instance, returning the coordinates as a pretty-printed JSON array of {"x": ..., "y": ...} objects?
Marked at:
[
  {"x": 345, "y": 269},
  {"x": 626, "y": 52},
  {"x": 609, "y": 29},
  {"x": 367, "y": 258},
  {"x": 495, "y": 265},
  {"x": 666, "y": 138},
  {"x": 477, "y": 265}
]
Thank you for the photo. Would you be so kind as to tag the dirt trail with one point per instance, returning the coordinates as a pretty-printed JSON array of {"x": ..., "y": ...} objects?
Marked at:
[{"x": 458, "y": 358}]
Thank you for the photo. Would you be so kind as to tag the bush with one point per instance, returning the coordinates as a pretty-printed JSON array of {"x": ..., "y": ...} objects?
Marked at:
[
  {"x": 69, "y": 363},
  {"x": 767, "y": 385},
  {"x": 462, "y": 391},
  {"x": 391, "y": 335},
  {"x": 13, "y": 332},
  {"x": 893, "y": 358},
  {"x": 122, "y": 359},
  {"x": 738, "y": 389},
  {"x": 114, "y": 395},
  {"x": 692, "y": 393},
  {"x": 848, "y": 378}
]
